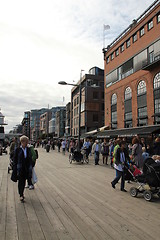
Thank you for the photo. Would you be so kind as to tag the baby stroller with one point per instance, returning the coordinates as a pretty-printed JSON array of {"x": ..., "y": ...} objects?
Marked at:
[
  {"x": 76, "y": 156},
  {"x": 148, "y": 182}
]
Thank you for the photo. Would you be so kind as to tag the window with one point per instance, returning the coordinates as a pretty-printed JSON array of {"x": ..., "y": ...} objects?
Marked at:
[
  {"x": 157, "y": 106},
  {"x": 95, "y": 95},
  {"x": 158, "y": 18},
  {"x": 117, "y": 52},
  {"x": 128, "y": 43},
  {"x": 141, "y": 87},
  {"x": 128, "y": 93},
  {"x": 127, "y": 68},
  {"x": 156, "y": 85},
  {"x": 114, "y": 111},
  {"x": 157, "y": 81},
  {"x": 112, "y": 56},
  {"x": 122, "y": 47},
  {"x": 128, "y": 108},
  {"x": 142, "y": 104},
  {"x": 95, "y": 117},
  {"x": 134, "y": 37},
  {"x": 114, "y": 99},
  {"x": 141, "y": 32},
  {"x": 107, "y": 59},
  {"x": 128, "y": 120},
  {"x": 77, "y": 100},
  {"x": 142, "y": 116},
  {"x": 151, "y": 57},
  {"x": 150, "y": 25}
]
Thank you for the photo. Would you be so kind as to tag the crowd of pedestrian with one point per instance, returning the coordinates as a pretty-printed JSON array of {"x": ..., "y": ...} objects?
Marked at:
[{"x": 115, "y": 152}]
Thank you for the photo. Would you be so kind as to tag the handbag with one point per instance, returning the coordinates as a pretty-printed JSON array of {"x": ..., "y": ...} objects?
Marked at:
[{"x": 34, "y": 176}]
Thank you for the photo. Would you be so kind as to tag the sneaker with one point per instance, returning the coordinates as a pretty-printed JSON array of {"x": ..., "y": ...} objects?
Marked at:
[
  {"x": 113, "y": 185},
  {"x": 22, "y": 198},
  {"x": 27, "y": 186},
  {"x": 31, "y": 187}
]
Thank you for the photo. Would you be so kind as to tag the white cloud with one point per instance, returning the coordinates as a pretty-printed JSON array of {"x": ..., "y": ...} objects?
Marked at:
[{"x": 43, "y": 42}]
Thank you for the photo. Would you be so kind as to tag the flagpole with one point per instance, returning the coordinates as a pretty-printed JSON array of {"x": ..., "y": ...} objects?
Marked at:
[
  {"x": 103, "y": 38},
  {"x": 105, "y": 27}
]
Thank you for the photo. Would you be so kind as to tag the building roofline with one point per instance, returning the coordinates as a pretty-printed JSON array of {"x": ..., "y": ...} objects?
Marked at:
[{"x": 133, "y": 24}]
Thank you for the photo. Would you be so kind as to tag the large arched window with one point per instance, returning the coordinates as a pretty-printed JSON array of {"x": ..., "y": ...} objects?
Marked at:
[
  {"x": 128, "y": 108},
  {"x": 114, "y": 111},
  {"x": 128, "y": 93},
  {"x": 156, "y": 86},
  {"x": 142, "y": 104},
  {"x": 141, "y": 88},
  {"x": 114, "y": 99}
]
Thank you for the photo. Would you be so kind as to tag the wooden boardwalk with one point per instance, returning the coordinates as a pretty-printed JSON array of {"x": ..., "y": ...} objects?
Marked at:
[{"x": 74, "y": 201}]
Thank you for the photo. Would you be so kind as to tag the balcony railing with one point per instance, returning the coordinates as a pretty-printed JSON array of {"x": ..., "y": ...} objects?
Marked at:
[
  {"x": 134, "y": 23},
  {"x": 149, "y": 63}
]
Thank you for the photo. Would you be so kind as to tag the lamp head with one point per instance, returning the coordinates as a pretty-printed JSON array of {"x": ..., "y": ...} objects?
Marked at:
[{"x": 62, "y": 83}]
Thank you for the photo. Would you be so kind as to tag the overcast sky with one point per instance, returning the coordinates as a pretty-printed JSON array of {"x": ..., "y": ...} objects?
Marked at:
[{"x": 46, "y": 41}]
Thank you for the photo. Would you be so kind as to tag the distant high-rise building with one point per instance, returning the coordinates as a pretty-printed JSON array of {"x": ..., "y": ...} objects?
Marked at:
[
  {"x": 26, "y": 124},
  {"x": 60, "y": 122}
]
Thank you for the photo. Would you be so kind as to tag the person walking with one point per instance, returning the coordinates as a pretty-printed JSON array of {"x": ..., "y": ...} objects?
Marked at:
[
  {"x": 137, "y": 152},
  {"x": 22, "y": 165},
  {"x": 96, "y": 149},
  {"x": 156, "y": 146},
  {"x": 34, "y": 157},
  {"x": 87, "y": 147},
  {"x": 13, "y": 146},
  {"x": 63, "y": 146},
  {"x": 121, "y": 158},
  {"x": 59, "y": 145},
  {"x": 105, "y": 151}
]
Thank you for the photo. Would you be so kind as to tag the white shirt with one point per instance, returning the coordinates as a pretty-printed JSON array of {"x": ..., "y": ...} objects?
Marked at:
[
  {"x": 120, "y": 166},
  {"x": 25, "y": 151}
]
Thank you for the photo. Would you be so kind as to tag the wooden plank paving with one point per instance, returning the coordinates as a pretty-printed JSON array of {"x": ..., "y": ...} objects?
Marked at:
[{"x": 74, "y": 201}]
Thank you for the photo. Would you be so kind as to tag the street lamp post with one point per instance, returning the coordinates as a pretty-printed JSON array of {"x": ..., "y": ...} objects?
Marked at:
[{"x": 80, "y": 98}]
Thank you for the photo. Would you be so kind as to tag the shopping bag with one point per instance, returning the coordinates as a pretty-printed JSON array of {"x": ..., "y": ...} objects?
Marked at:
[{"x": 34, "y": 176}]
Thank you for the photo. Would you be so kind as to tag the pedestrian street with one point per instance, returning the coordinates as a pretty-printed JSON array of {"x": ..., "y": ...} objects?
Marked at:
[{"x": 74, "y": 201}]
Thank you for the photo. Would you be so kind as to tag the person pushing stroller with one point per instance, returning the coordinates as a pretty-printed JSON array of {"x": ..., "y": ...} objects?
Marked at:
[{"x": 121, "y": 159}]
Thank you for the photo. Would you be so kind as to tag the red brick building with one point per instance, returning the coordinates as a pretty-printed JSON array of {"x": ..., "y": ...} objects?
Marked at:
[{"x": 132, "y": 73}]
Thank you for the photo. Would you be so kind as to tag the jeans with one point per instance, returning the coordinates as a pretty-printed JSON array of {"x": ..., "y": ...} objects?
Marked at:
[
  {"x": 119, "y": 175},
  {"x": 96, "y": 157}
]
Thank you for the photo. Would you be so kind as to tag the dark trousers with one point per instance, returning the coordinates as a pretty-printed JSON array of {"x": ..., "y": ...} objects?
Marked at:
[
  {"x": 87, "y": 152},
  {"x": 21, "y": 185},
  {"x": 119, "y": 175},
  {"x": 96, "y": 157}
]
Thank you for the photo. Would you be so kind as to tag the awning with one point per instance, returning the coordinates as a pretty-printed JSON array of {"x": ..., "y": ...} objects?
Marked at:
[
  {"x": 94, "y": 132},
  {"x": 129, "y": 132}
]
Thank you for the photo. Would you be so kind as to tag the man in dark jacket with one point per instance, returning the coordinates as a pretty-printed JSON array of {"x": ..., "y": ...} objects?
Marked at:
[
  {"x": 121, "y": 158},
  {"x": 22, "y": 166}
]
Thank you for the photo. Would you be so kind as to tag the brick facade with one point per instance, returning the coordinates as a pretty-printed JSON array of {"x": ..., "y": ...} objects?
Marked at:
[{"x": 147, "y": 74}]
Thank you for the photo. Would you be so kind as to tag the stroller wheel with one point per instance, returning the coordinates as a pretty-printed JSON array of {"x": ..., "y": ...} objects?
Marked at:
[
  {"x": 133, "y": 191},
  {"x": 147, "y": 195}
]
